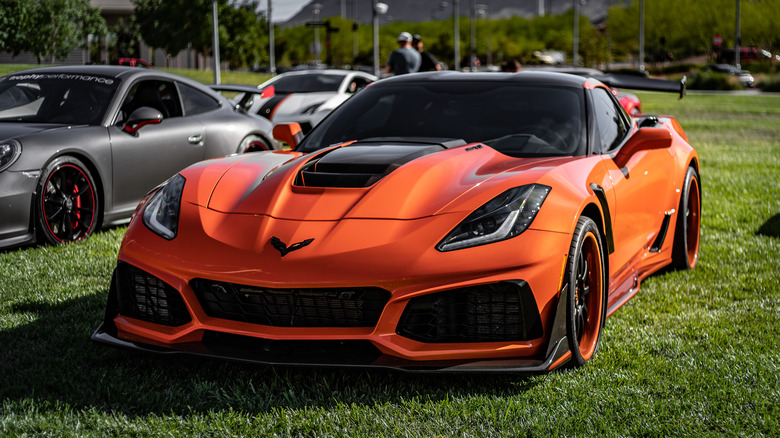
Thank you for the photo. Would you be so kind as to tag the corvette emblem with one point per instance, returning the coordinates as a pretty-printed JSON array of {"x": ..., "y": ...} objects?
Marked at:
[{"x": 284, "y": 249}]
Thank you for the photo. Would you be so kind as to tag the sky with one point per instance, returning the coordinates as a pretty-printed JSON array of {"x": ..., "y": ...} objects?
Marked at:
[{"x": 283, "y": 9}]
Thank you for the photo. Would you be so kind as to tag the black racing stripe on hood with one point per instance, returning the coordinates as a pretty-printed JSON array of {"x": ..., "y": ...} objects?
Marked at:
[{"x": 360, "y": 165}]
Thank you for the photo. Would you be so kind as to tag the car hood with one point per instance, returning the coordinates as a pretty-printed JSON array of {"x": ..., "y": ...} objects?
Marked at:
[
  {"x": 358, "y": 181},
  {"x": 16, "y": 130},
  {"x": 295, "y": 103}
]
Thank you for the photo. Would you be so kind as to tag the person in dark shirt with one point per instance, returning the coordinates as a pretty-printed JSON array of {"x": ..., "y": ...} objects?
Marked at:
[
  {"x": 428, "y": 62},
  {"x": 404, "y": 59}
]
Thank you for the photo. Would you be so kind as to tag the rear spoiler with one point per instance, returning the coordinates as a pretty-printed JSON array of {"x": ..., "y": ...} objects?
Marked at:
[
  {"x": 248, "y": 90},
  {"x": 641, "y": 83}
]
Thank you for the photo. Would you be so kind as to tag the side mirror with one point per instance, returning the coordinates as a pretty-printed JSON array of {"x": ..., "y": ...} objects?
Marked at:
[
  {"x": 141, "y": 117},
  {"x": 646, "y": 139},
  {"x": 289, "y": 133}
]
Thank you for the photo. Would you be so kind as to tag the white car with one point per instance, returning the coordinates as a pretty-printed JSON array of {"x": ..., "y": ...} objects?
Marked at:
[{"x": 306, "y": 97}]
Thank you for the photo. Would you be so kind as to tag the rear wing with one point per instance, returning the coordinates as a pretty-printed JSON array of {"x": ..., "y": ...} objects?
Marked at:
[
  {"x": 249, "y": 93},
  {"x": 642, "y": 83}
]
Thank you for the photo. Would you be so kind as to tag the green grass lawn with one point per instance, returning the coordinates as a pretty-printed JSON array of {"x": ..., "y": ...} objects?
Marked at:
[{"x": 693, "y": 354}]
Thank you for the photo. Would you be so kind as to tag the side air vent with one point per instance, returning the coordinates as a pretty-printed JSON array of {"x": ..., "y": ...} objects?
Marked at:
[
  {"x": 144, "y": 296},
  {"x": 360, "y": 165},
  {"x": 498, "y": 312}
]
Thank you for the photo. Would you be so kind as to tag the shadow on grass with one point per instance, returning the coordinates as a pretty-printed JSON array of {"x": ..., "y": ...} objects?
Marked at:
[
  {"x": 771, "y": 227},
  {"x": 51, "y": 360}
]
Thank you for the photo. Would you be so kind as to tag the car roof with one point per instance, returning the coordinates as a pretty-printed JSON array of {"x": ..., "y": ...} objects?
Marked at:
[
  {"x": 114, "y": 71},
  {"x": 322, "y": 72},
  {"x": 523, "y": 77}
]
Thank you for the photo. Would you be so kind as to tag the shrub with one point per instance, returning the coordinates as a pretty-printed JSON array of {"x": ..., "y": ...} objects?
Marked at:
[
  {"x": 770, "y": 83},
  {"x": 709, "y": 80}
]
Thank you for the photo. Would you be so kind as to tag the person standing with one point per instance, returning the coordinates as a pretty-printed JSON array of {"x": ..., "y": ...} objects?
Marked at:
[
  {"x": 404, "y": 59},
  {"x": 428, "y": 62}
]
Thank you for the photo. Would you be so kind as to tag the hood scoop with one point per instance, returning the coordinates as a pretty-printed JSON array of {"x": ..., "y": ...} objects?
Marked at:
[{"x": 361, "y": 164}]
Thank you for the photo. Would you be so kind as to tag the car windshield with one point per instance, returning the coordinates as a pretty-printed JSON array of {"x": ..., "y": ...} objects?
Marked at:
[
  {"x": 515, "y": 119},
  {"x": 77, "y": 99},
  {"x": 307, "y": 83}
]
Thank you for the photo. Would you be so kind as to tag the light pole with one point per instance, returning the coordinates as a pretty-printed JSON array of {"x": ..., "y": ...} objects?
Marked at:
[
  {"x": 271, "y": 47},
  {"x": 575, "y": 58},
  {"x": 473, "y": 16},
  {"x": 456, "y": 32},
  {"x": 215, "y": 32},
  {"x": 736, "y": 39},
  {"x": 377, "y": 10},
  {"x": 476, "y": 11},
  {"x": 317, "y": 49},
  {"x": 641, "y": 35},
  {"x": 482, "y": 13}
]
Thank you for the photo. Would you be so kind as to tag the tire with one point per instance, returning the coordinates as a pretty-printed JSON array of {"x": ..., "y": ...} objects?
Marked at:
[
  {"x": 586, "y": 309},
  {"x": 253, "y": 143},
  {"x": 685, "y": 250},
  {"x": 67, "y": 203}
]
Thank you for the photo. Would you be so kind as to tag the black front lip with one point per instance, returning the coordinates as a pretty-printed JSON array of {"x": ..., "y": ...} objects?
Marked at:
[{"x": 106, "y": 334}]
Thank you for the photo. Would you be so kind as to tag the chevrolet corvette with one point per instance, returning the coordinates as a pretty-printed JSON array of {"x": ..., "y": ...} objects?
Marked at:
[{"x": 437, "y": 221}]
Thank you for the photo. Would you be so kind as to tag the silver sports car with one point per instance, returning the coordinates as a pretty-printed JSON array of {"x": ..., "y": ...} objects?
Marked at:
[
  {"x": 306, "y": 97},
  {"x": 80, "y": 146}
]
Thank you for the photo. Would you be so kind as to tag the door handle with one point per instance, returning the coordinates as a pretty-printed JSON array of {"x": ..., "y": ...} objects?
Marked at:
[{"x": 196, "y": 139}]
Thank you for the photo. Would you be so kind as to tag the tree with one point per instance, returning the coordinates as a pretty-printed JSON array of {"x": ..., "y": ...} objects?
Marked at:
[
  {"x": 173, "y": 25},
  {"x": 48, "y": 28},
  {"x": 243, "y": 35},
  {"x": 61, "y": 26},
  {"x": 15, "y": 16}
]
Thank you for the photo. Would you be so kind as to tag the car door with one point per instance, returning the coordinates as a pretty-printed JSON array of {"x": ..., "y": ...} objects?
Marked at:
[
  {"x": 643, "y": 189},
  {"x": 156, "y": 152}
]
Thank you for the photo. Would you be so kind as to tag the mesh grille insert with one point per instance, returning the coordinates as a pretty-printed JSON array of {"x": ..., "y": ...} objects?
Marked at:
[
  {"x": 488, "y": 313},
  {"x": 326, "y": 307},
  {"x": 146, "y": 297}
]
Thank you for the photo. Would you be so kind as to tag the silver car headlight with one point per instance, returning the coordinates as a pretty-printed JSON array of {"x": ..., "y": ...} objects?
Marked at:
[
  {"x": 9, "y": 152},
  {"x": 161, "y": 211},
  {"x": 503, "y": 217}
]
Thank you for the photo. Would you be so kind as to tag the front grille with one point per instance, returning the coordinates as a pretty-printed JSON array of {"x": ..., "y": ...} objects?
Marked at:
[
  {"x": 498, "y": 312},
  {"x": 146, "y": 297},
  {"x": 325, "y": 307}
]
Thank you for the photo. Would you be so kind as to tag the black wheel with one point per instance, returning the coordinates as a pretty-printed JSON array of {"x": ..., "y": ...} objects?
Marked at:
[
  {"x": 253, "y": 143},
  {"x": 685, "y": 252},
  {"x": 68, "y": 207},
  {"x": 586, "y": 309}
]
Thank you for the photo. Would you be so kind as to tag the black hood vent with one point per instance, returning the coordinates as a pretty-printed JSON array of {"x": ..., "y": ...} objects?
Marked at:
[{"x": 362, "y": 164}]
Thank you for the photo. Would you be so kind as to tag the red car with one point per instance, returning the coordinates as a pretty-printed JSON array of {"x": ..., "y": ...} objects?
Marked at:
[
  {"x": 436, "y": 221},
  {"x": 135, "y": 62}
]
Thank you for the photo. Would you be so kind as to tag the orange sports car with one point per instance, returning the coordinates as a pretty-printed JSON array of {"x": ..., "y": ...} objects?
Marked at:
[{"x": 438, "y": 221}]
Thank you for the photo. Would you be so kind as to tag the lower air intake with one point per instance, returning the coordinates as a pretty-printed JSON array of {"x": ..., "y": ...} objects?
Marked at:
[
  {"x": 498, "y": 312},
  {"x": 318, "y": 307},
  {"x": 146, "y": 297}
]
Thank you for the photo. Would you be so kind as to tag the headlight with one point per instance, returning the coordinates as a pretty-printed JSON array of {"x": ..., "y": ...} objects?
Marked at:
[
  {"x": 504, "y": 217},
  {"x": 161, "y": 212},
  {"x": 9, "y": 152}
]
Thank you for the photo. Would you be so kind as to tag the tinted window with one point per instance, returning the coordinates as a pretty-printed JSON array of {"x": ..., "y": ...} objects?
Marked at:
[
  {"x": 518, "y": 120},
  {"x": 612, "y": 123},
  {"x": 196, "y": 101},
  {"x": 307, "y": 83},
  {"x": 160, "y": 95},
  {"x": 66, "y": 98}
]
